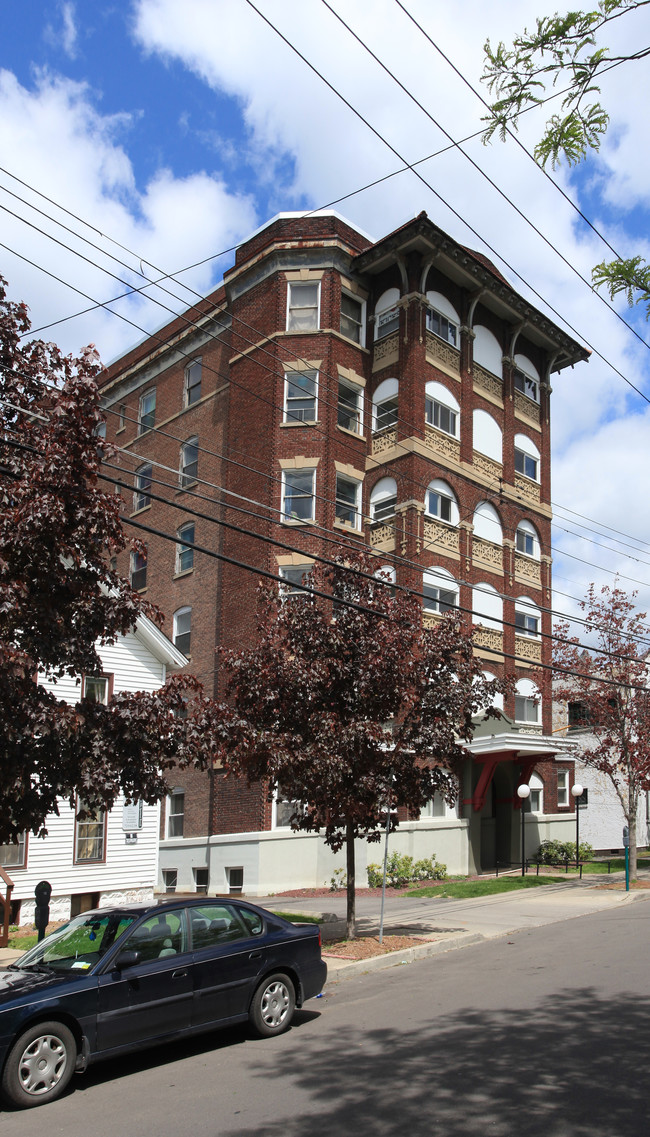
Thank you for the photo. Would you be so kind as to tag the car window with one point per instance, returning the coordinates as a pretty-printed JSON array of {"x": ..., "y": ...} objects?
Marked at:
[
  {"x": 252, "y": 920},
  {"x": 79, "y": 944},
  {"x": 216, "y": 924},
  {"x": 159, "y": 936}
]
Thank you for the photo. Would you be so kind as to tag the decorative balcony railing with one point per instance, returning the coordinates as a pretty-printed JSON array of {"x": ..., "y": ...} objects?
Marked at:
[
  {"x": 489, "y": 638},
  {"x": 528, "y": 648},
  {"x": 486, "y": 381},
  {"x": 382, "y": 536},
  {"x": 529, "y": 570},
  {"x": 440, "y": 537},
  {"x": 438, "y": 351},
  {"x": 493, "y": 470},
  {"x": 442, "y": 443},
  {"x": 385, "y": 351},
  {"x": 527, "y": 488},
  {"x": 487, "y": 553},
  {"x": 384, "y": 441},
  {"x": 527, "y": 407}
]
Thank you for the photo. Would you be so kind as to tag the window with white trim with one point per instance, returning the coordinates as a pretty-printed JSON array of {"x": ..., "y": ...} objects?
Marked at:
[
  {"x": 528, "y": 708},
  {"x": 487, "y": 435},
  {"x": 385, "y": 406},
  {"x": 182, "y": 629},
  {"x": 536, "y": 799},
  {"x": 193, "y": 374},
  {"x": 526, "y": 378},
  {"x": 352, "y": 318},
  {"x": 528, "y": 618},
  {"x": 284, "y": 808},
  {"x": 441, "y": 409},
  {"x": 298, "y": 494},
  {"x": 175, "y": 812},
  {"x": 350, "y": 406},
  {"x": 440, "y": 502},
  {"x": 294, "y": 575},
  {"x": 185, "y": 552},
  {"x": 487, "y": 523},
  {"x": 89, "y": 835},
  {"x": 96, "y": 689},
  {"x": 143, "y": 479},
  {"x": 12, "y": 855},
  {"x": 526, "y": 457},
  {"x": 147, "y": 411},
  {"x": 440, "y": 591},
  {"x": 563, "y": 787},
  {"x": 387, "y": 313},
  {"x": 170, "y": 879},
  {"x": 487, "y": 350},
  {"x": 348, "y": 501},
  {"x": 487, "y": 606},
  {"x": 303, "y": 306},
  {"x": 383, "y": 499},
  {"x": 442, "y": 327},
  {"x": 435, "y": 807},
  {"x": 300, "y": 396},
  {"x": 527, "y": 540},
  {"x": 138, "y": 570},
  {"x": 189, "y": 466}
]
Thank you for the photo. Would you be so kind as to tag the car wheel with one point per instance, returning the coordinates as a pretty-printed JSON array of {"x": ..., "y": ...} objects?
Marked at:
[
  {"x": 273, "y": 1005},
  {"x": 40, "y": 1065}
]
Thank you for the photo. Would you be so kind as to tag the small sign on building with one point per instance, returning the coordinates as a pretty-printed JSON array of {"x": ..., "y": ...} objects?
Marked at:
[{"x": 132, "y": 817}]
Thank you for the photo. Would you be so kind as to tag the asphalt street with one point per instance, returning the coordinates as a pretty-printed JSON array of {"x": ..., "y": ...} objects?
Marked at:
[{"x": 542, "y": 1031}]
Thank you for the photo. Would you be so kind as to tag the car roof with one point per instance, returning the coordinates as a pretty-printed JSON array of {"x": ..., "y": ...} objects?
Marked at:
[{"x": 140, "y": 908}]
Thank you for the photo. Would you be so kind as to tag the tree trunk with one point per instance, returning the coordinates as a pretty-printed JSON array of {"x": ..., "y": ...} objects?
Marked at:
[
  {"x": 349, "y": 850},
  {"x": 631, "y": 821}
]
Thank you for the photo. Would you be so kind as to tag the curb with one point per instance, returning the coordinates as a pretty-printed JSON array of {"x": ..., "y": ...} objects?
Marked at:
[{"x": 395, "y": 958}]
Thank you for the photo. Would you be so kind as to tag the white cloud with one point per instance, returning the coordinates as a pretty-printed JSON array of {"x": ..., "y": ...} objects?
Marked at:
[{"x": 64, "y": 36}]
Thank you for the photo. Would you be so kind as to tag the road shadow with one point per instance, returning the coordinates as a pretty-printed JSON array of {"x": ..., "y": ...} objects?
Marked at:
[{"x": 575, "y": 1066}]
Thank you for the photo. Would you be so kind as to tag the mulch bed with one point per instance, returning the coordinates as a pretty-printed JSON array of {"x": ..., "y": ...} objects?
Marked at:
[
  {"x": 365, "y": 947},
  {"x": 309, "y": 892},
  {"x": 620, "y": 884}
]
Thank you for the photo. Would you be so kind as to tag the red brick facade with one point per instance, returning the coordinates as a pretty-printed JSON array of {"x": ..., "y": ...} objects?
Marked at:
[{"x": 247, "y": 443}]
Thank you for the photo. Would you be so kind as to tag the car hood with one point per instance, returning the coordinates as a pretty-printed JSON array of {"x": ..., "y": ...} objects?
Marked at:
[{"x": 13, "y": 984}]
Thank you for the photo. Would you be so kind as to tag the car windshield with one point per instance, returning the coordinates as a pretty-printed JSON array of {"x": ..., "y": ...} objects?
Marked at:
[{"x": 78, "y": 945}]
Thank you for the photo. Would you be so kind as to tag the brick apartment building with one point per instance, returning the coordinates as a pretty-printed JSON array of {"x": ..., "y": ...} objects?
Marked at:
[{"x": 394, "y": 393}]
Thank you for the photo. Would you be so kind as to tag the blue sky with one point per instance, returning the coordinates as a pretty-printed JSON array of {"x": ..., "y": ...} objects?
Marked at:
[{"x": 176, "y": 129}]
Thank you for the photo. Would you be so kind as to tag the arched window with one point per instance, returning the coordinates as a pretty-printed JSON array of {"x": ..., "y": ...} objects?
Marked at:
[
  {"x": 488, "y": 439},
  {"x": 536, "y": 794},
  {"x": 526, "y": 377},
  {"x": 440, "y": 591},
  {"x": 183, "y": 629},
  {"x": 527, "y": 540},
  {"x": 441, "y": 409},
  {"x": 442, "y": 318},
  {"x": 487, "y": 524},
  {"x": 487, "y": 606},
  {"x": 440, "y": 502},
  {"x": 387, "y": 313},
  {"x": 487, "y": 350},
  {"x": 383, "y": 499},
  {"x": 528, "y": 618},
  {"x": 526, "y": 457},
  {"x": 497, "y": 701},
  {"x": 143, "y": 479},
  {"x": 528, "y": 704},
  {"x": 384, "y": 406}
]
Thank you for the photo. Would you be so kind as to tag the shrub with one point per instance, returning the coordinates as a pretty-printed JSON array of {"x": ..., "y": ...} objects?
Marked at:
[
  {"x": 402, "y": 869},
  {"x": 553, "y": 851},
  {"x": 339, "y": 881}
]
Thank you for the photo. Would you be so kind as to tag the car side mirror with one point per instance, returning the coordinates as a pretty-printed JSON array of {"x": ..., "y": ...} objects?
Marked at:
[{"x": 126, "y": 959}]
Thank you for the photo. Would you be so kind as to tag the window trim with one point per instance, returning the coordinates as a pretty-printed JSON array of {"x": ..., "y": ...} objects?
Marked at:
[
  {"x": 189, "y": 398},
  {"x": 135, "y": 570},
  {"x": 340, "y": 504},
  {"x": 142, "y": 493},
  {"x": 176, "y": 792},
  {"x": 22, "y": 843},
  {"x": 290, "y": 591},
  {"x": 563, "y": 789},
  {"x": 186, "y": 479},
  {"x": 438, "y": 407},
  {"x": 146, "y": 415},
  {"x": 534, "y": 555},
  {"x": 384, "y": 319},
  {"x": 521, "y": 459},
  {"x": 356, "y": 390},
  {"x": 180, "y": 546},
  {"x": 291, "y": 284},
  {"x": 77, "y": 860},
  {"x": 176, "y": 634},
  {"x": 433, "y": 311},
  {"x": 108, "y": 676},
  {"x": 361, "y": 341}
]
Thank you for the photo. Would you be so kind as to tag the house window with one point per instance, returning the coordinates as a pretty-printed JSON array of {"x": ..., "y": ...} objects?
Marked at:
[
  {"x": 193, "y": 382},
  {"x": 444, "y": 418},
  {"x": 176, "y": 813},
  {"x": 96, "y": 689},
  {"x": 183, "y": 629},
  {"x": 435, "y": 807},
  {"x": 185, "y": 552},
  {"x": 122, "y": 418},
  {"x": 138, "y": 574},
  {"x": 352, "y": 317},
  {"x": 526, "y": 709},
  {"x": 441, "y": 503},
  {"x": 200, "y": 880},
  {"x": 525, "y": 464},
  {"x": 536, "y": 794},
  {"x": 386, "y": 323},
  {"x": 348, "y": 501},
  {"x": 235, "y": 880},
  {"x": 89, "y": 836},
  {"x": 143, "y": 478},
  {"x": 350, "y": 407},
  {"x": 298, "y": 492},
  {"x": 385, "y": 406},
  {"x": 300, "y": 392},
  {"x": 302, "y": 314},
  {"x": 579, "y": 718},
  {"x": 439, "y": 592},
  {"x": 563, "y": 787},
  {"x": 284, "y": 808},
  {"x": 526, "y": 540},
  {"x": 147, "y": 411},
  {"x": 189, "y": 467},
  {"x": 294, "y": 575},
  {"x": 383, "y": 499},
  {"x": 442, "y": 327},
  {"x": 170, "y": 879},
  {"x": 527, "y": 618},
  {"x": 12, "y": 855}
]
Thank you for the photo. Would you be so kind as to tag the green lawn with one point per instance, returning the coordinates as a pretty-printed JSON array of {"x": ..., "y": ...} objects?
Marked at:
[
  {"x": 617, "y": 865},
  {"x": 298, "y": 917},
  {"x": 466, "y": 889}
]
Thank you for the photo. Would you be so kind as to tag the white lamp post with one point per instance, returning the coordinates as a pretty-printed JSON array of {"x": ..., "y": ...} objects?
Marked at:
[
  {"x": 577, "y": 790},
  {"x": 523, "y": 793}
]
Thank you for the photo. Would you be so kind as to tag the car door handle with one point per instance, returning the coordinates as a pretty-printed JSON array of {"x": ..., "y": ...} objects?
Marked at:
[
  {"x": 180, "y": 973},
  {"x": 255, "y": 955}
]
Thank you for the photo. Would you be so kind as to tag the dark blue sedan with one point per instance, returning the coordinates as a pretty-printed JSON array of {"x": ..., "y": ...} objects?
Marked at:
[{"x": 118, "y": 979}]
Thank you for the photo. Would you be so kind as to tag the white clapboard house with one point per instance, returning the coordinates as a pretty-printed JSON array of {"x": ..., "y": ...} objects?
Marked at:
[{"x": 114, "y": 857}]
